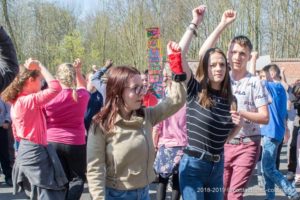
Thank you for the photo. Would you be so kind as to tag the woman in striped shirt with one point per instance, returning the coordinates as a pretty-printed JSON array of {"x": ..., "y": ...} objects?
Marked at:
[{"x": 210, "y": 120}]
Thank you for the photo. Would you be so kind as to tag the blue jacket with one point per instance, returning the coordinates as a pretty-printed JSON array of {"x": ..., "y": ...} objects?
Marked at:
[{"x": 278, "y": 112}]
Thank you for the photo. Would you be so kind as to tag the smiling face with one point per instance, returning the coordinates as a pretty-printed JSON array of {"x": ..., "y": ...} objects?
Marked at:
[
  {"x": 216, "y": 70},
  {"x": 133, "y": 94}
]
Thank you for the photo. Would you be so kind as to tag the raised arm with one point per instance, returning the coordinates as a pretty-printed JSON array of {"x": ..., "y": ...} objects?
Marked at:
[
  {"x": 252, "y": 67},
  {"x": 283, "y": 78},
  {"x": 96, "y": 78},
  {"x": 44, "y": 96},
  {"x": 37, "y": 65},
  {"x": 9, "y": 66},
  {"x": 176, "y": 93},
  {"x": 80, "y": 80},
  {"x": 227, "y": 18},
  {"x": 198, "y": 14}
]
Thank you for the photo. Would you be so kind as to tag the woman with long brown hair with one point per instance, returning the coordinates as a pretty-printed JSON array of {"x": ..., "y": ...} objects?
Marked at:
[
  {"x": 36, "y": 162},
  {"x": 210, "y": 120},
  {"x": 120, "y": 150}
]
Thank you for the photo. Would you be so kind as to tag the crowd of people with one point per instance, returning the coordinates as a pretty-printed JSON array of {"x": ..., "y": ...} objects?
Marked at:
[{"x": 205, "y": 135}]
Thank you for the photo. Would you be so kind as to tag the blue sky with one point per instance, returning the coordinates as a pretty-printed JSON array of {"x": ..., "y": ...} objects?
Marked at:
[{"x": 82, "y": 6}]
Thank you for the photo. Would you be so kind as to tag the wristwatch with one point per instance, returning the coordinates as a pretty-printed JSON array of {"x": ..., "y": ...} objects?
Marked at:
[{"x": 178, "y": 77}]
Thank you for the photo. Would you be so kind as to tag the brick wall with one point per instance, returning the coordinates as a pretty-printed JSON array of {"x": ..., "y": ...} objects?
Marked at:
[{"x": 291, "y": 66}]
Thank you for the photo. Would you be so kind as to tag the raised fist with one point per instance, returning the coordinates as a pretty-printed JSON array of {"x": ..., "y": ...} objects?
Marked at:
[
  {"x": 77, "y": 63},
  {"x": 228, "y": 16},
  {"x": 198, "y": 14},
  {"x": 174, "y": 55},
  {"x": 173, "y": 47}
]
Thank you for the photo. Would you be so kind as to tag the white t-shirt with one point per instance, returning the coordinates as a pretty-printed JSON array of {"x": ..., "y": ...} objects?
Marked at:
[{"x": 250, "y": 95}]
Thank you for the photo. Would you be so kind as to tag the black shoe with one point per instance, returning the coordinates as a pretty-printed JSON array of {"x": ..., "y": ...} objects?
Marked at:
[{"x": 8, "y": 181}]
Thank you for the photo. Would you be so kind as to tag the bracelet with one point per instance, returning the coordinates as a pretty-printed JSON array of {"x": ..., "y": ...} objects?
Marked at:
[
  {"x": 194, "y": 25},
  {"x": 194, "y": 31}
]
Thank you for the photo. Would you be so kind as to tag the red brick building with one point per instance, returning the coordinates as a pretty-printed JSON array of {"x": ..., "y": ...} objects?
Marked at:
[{"x": 291, "y": 67}]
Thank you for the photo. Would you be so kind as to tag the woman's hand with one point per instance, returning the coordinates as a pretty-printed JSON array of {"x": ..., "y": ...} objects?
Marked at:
[
  {"x": 198, "y": 14},
  {"x": 77, "y": 63},
  {"x": 32, "y": 64},
  {"x": 175, "y": 62},
  {"x": 173, "y": 47},
  {"x": 228, "y": 17},
  {"x": 237, "y": 119}
]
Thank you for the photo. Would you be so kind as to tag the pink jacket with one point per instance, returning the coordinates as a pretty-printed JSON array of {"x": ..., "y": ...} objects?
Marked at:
[
  {"x": 172, "y": 131},
  {"x": 28, "y": 120}
]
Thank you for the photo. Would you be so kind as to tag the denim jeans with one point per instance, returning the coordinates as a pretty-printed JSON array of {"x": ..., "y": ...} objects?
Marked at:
[
  {"x": 271, "y": 174},
  {"x": 137, "y": 194},
  {"x": 201, "y": 179}
]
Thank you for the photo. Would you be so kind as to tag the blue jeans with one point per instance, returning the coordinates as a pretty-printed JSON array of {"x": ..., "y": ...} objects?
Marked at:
[
  {"x": 137, "y": 194},
  {"x": 201, "y": 179},
  {"x": 271, "y": 174}
]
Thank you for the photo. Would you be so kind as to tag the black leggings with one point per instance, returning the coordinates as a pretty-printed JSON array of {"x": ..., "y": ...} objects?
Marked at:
[
  {"x": 73, "y": 160},
  {"x": 4, "y": 153},
  {"x": 162, "y": 187}
]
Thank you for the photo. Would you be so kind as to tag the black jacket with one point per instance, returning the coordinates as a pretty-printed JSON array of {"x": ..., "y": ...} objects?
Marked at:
[{"x": 9, "y": 66}]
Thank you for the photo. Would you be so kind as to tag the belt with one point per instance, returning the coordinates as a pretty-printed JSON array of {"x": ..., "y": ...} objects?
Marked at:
[
  {"x": 244, "y": 140},
  {"x": 203, "y": 155}
]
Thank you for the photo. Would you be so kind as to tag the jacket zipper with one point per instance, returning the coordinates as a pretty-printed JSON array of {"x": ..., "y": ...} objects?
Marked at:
[{"x": 147, "y": 155}]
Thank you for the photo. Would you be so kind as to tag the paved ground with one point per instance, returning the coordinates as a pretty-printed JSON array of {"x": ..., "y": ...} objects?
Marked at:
[{"x": 253, "y": 192}]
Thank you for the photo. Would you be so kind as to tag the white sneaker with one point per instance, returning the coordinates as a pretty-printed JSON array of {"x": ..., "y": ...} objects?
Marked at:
[
  {"x": 290, "y": 175},
  {"x": 261, "y": 181},
  {"x": 297, "y": 180}
]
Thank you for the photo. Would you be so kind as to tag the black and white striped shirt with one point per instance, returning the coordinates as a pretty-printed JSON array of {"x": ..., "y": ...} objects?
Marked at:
[{"x": 208, "y": 128}]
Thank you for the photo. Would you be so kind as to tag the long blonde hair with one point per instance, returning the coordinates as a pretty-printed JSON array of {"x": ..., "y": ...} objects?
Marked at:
[{"x": 66, "y": 74}]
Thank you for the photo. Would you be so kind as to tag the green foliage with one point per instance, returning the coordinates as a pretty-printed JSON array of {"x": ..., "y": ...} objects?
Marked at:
[{"x": 71, "y": 47}]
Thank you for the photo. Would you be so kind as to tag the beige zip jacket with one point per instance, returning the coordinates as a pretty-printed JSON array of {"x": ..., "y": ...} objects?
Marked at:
[{"x": 124, "y": 159}]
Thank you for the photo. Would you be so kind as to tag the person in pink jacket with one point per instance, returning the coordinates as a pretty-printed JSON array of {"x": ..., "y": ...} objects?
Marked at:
[
  {"x": 169, "y": 140},
  {"x": 37, "y": 163}
]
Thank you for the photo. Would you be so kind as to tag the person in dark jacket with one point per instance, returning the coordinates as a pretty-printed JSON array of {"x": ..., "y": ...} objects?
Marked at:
[{"x": 9, "y": 66}]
